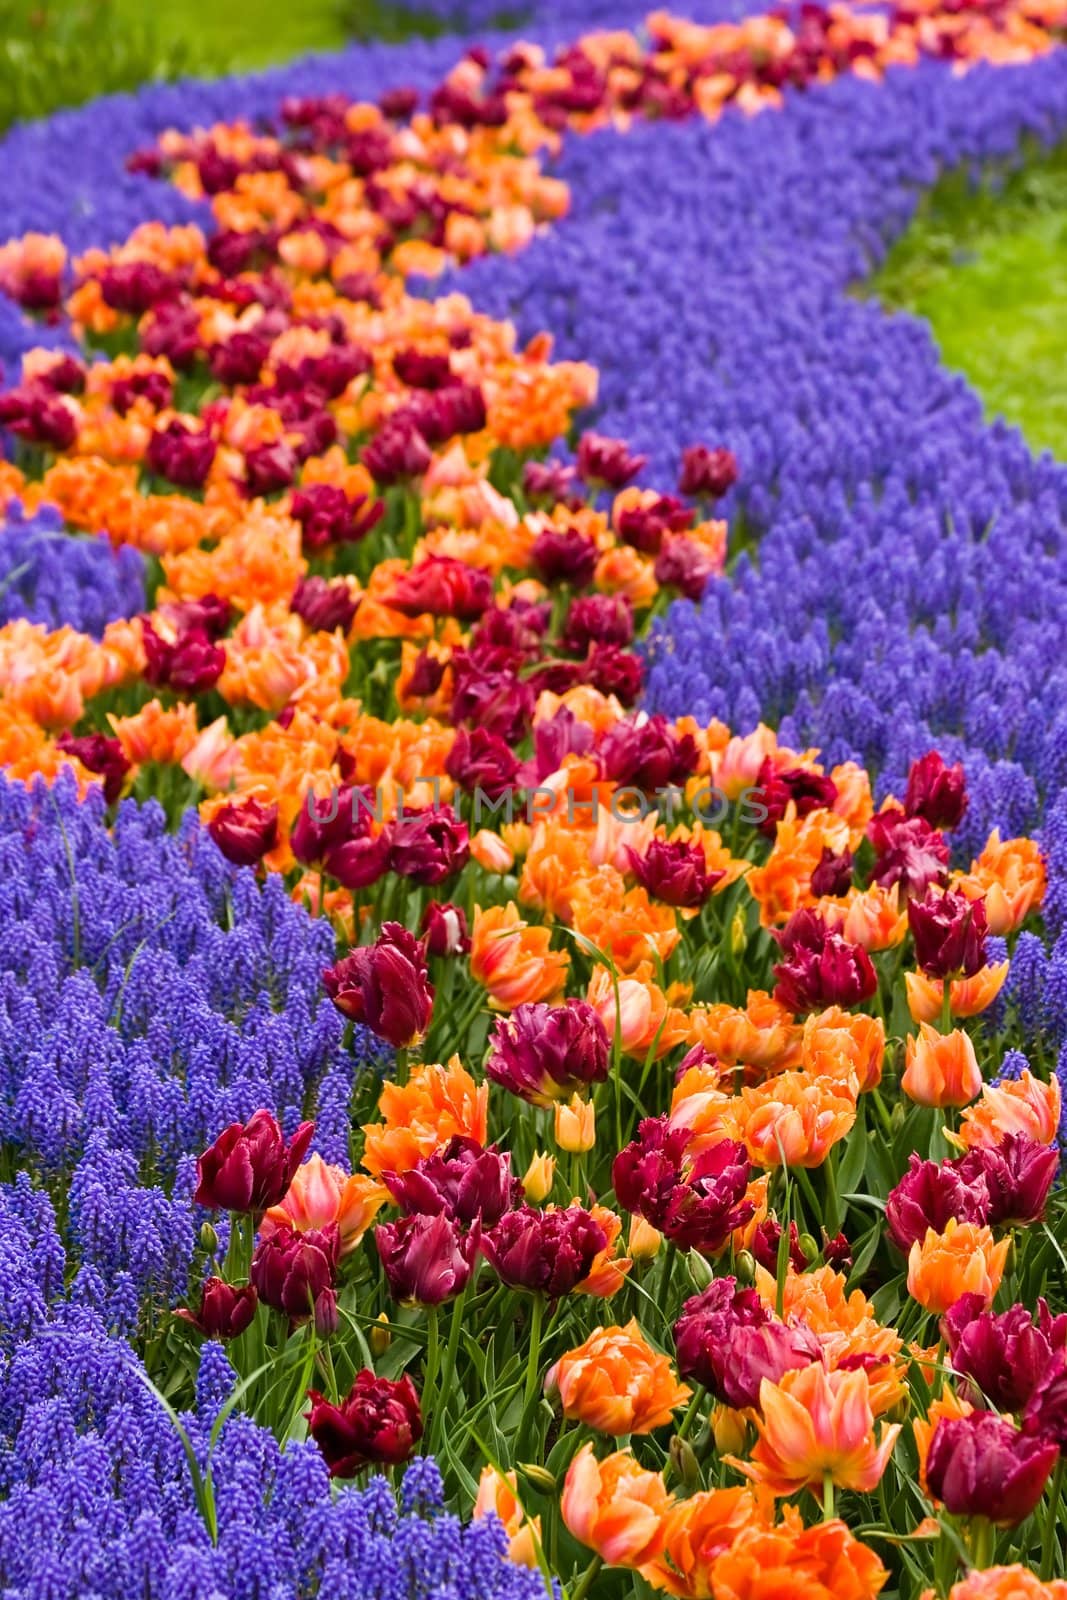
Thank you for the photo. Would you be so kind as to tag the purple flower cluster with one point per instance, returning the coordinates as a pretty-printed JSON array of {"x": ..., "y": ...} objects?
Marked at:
[{"x": 85, "y": 584}]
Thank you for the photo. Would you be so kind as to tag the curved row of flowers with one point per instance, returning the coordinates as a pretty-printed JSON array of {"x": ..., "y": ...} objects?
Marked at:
[{"x": 682, "y": 1019}]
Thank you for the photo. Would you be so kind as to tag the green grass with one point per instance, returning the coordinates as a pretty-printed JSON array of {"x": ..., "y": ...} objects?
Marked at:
[
  {"x": 987, "y": 267},
  {"x": 243, "y": 34}
]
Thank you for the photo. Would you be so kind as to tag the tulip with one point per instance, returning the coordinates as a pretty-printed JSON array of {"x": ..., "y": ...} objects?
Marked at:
[
  {"x": 397, "y": 453},
  {"x": 491, "y": 852},
  {"x": 695, "y": 1201},
  {"x": 512, "y": 959},
  {"x": 443, "y": 587},
  {"x": 444, "y": 928},
  {"x": 791, "y": 1562},
  {"x": 800, "y": 787},
  {"x": 538, "y": 1178},
  {"x": 225, "y": 1310},
  {"x": 428, "y": 846},
  {"x": 685, "y": 565},
  {"x": 378, "y": 1421},
  {"x": 482, "y": 761},
  {"x": 697, "y": 1532},
  {"x": 616, "y": 1383},
  {"x": 707, "y": 472},
  {"x": 820, "y": 967},
  {"x": 463, "y": 1181},
  {"x": 321, "y": 1194},
  {"x": 949, "y": 932},
  {"x": 983, "y": 1466},
  {"x": 728, "y": 1341},
  {"x": 545, "y": 1053},
  {"x": 546, "y": 1252},
  {"x": 101, "y": 756},
  {"x": 941, "y": 1069},
  {"x": 647, "y": 753},
  {"x": 250, "y": 1168},
  {"x": 189, "y": 665},
  {"x": 1018, "y": 1174},
  {"x": 1024, "y": 1105},
  {"x": 544, "y": 483},
  {"x": 245, "y": 830},
  {"x": 1003, "y": 1583},
  {"x": 928, "y": 1196},
  {"x": 325, "y": 606},
  {"x": 180, "y": 453},
  {"x": 427, "y": 1259},
  {"x": 960, "y": 1260},
  {"x": 385, "y": 985},
  {"x": 833, "y": 874},
  {"x": 1004, "y": 1356},
  {"x": 615, "y": 1507},
  {"x": 908, "y": 851},
  {"x": 597, "y": 619},
  {"x": 936, "y": 792},
  {"x": 675, "y": 872},
  {"x": 296, "y": 1273},
  {"x": 327, "y": 516},
  {"x": 764, "y": 1246},
  {"x": 497, "y": 1496},
  {"x": 817, "y": 1425},
  {"x": 575, "y": 1126},
  {"x": 794, "y": 1121},
  {"x": 1046, "y": 1409},
  {"x": 564, "y": 557},
  {"x": 269, "y": 468},
  {"x": 845, "y": 1045},
  {"x": 643, "y": 518},
  {"x": 606, "y": 463}
]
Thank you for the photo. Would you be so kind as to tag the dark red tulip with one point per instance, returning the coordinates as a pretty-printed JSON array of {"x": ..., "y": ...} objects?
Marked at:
[
  {"x": 706, "y": 472},
  {"x": 695, "y": 1201},
  {"x": 444, "y": 928},
  {"x": 420, "y": 369},
  {"x": 779, "y": 788},
  {"x": 983, "y": 1466},
  {"x": 675, "y": 872},
  {"x": 647, "y": 753},
  {"x": 210, "y": 614},
  {"x": 459, "y": 408},
  {"x": 98, "y": 755},
  {"x": 949, "y": 933},
  {"x": 820, "y": 968},
  {"x": 1018, "y": 1174},
  {"x": 269, "y": 468},
  {"x": 1005, "y": 1356},
  {"x": 153, "y": 386},
  {"x": 607, "y": 463},
  {"x": 613, "y": 671},
  {"x": 480, "y": 759},
  {"x": 908, "y": 852},
  {"x": 327, "y": 516},
  {"x": 728, "y": 1342},
  {"x": 427, "y": 1259},
  {"x": 296, "y": 1274},
  {"x": 544, "y": 1252},
  {"x": 240, "y": 358},
  {"x": 500, "y": 702},
  {"x": 833, "y": 874},
  {"x": 66, "y": 375},
  {"x": 427, "y": 675},
  {"x": 597, "y": 619},
  {"x": 544, "y": 1053},
  {"x": 465, "y": 1181},
  {"x": 397, "y": 454},
  {"x": 385, "y": 986},
  {"x": 548, "y": 483},
  {"x": 685, "y": 565},
  {"x": 646, "y": 526},
  {"x": 928, "y": 1196},
  {"x": 326, "y": 823},
  {"x": 34, "y": 412},
  {"x": 565, "y": 556},
  {"x": 193, "y": 663},
  {"x": 765, "y": 1241},
  {"x": 441, "y": 586},
  {"x": 250, "y": 1167},
  {"x": 245, "y": 830},
  {"x": 324, "y": 606},
  {"x": 1046, "y": 1410},
  {"x": 133, "y": 286},
  {"x": 378, "y": 1421},
  {"x": 225, "y": 1310},
  {"x": 180, "y": 453},
  {"x": 426, "y": 847},
  {"x": 935, "y": 792}
]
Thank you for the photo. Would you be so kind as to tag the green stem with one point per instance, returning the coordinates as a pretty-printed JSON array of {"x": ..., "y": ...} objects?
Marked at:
[
  {"x": 1048, "y": 1548},
  {"x": 827, "y": 1496},
  {"x": 449, "y": 1372},
  {"x": 587, "y": 1579},
  {"x": 533, "y": 1367},
  {"x": 433, "y": 1357},
  {"x": 946, "y": 1005},
  {"x": 981, "y": 1543}
]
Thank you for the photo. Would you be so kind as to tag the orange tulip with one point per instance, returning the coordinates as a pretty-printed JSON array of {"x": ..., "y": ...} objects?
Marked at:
[
  {"x": 941, "y": 1068},
  {"x": 490, "y": 851},
  {"x": 644, "y": 1240},
  {"x": 320, "y": 1194},
  {"x": 498, "y": 1495},
  {"x": 840, "y": 1044},
  {"x": 697, "y": 1532},
  {"x": 616, "y": 1507},
  {"x": 968, "y": 997},
  {"x": 1020, "y": 1105},
  {"x": 791, "y": 1562},
  {"x": 762, "y": 1035},
  {"x": 796, "y": 1120},
  {"x": 815, "y": 1424},
  {"x": 538, "y": 1178},
  {"x": 422, "y": 1115},
  {"x": 1010, "y": 877},
  {"x": 641, "y": 1011},
  {"x": 962, "y": 1260},
  {"x": 736, "y": 767},
  {"x": 872, "y": 917},
  {"x": 155, "y": 734},
  {"x": 513, "y": 960},
  {"x": 1004, "y": 1583},
  {"x": 616, "y": 1383},
  {"x": 608, "y": 1273}
]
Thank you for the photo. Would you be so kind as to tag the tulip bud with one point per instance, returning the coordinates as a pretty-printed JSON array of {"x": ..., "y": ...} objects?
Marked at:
[
  {"x": 699, "y": 1270},
  {"x": 809, "y": 1247},
  {"x": 738, "y": 933},
  {"x": 745, "y": 1267},
  {"x": 209, "y": 1239},
  {"x": 575, "y": 1125},
  {"x": 684, "y": 1463},
  {"x": 644, "y": 1240},
  {"x": 538, "y": 1478},
  {"x": 380, "y": 1336},
  {"x": 539, "y": 1178},
  {"x": 897, "y": 1116},
  {"x": 729, "y": 1430}
]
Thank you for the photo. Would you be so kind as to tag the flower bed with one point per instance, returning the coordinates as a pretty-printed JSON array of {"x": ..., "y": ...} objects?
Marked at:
[{"x": 416, "y": 934}]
